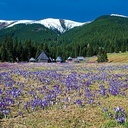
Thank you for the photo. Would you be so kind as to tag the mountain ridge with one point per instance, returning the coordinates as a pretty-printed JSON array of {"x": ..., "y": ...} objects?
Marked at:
[{"x": 62, "y": 25}]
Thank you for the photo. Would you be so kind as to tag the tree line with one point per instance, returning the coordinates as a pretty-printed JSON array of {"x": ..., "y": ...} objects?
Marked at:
[{"x": 12, "y": 48}]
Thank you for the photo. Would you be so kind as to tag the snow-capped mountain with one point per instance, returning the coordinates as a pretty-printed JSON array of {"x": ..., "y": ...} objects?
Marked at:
[
  {"x": 4, "y": 23},
  {"x": 55, "y": 24},
  {"x": 60, "y": 25}
]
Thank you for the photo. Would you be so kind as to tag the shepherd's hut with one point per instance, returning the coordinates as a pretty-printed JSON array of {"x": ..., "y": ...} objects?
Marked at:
[
  {"x": 32, "y": 59},
  {"x": 69, "y": 58},
  {"x": 59, "y": 59},
  {"x": 42, "y": 57}
]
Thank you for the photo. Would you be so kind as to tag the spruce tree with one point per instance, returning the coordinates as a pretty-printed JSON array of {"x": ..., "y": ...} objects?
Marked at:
[
  {"x": 102, "y": 55},
  {"x": 89, "y": 49},
  {"x": 3, "y": 54}
]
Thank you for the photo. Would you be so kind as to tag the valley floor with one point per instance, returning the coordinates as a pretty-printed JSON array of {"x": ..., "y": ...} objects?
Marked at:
[{"x": 64, "y": 95}]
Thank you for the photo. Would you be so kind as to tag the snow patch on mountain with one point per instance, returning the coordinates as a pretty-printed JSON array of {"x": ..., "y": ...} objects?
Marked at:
[
  {"x": 51, "y": 24},
  {"x": 54, "y": 24},
  {"x": 5, "y": 21},
  {"x": 21, "y": 22},
  {"x": 119, "y": 15},
  {"x": 71, "y": 24}
]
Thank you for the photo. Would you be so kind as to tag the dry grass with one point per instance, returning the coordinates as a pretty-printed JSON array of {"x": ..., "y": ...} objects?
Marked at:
[
  {"x": 69, "y": 116},
  {"x": 118, "y": 57},
  {"x": 114, "y": 57}
]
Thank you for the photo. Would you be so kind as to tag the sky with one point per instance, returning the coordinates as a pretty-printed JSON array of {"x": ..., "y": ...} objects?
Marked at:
[{"x": 76, "y": 10}]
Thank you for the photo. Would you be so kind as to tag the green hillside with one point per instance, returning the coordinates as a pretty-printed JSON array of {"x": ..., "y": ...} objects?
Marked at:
[
  {"x": 109, "y": 32},
  {"x": 35, "y": 32},
  {"x": 104, "y": 30}
]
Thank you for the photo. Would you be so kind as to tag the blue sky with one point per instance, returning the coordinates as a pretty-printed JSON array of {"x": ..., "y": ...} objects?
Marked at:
[{"x": 77, "y": 10}]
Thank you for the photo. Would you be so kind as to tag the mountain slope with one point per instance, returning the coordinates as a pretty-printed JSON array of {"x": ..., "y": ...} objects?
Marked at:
[
  {"x": 4, "y": 23},
  {"x": 35, "y": 32},
  {"x": 104, "y": 29},
  {"x": 45, "y": 30},
  {"x": 60, "y": 25}
]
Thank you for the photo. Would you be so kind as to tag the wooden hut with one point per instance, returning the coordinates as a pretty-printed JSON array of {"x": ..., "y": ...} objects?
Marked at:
[
  {"x": 59, "y": 59},
  {"x": 69, "y": 58},
  {"x": 32, "y": 59},
  {"x": 43, "y": 57},
  {"x": 80, "y": 58}
]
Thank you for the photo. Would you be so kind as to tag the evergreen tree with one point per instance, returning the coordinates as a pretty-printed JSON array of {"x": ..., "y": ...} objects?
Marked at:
[
  {"x": 46, "y": 49},
  {"x": 38, "y": 51},
  {"x": 89, "y": 50},
  {"x": 4, "y": 54},
  {"x": 102, "y": 55},
  {"x": 10, "y": 49},
  {"x": 123, "y": 47},
  {"x": 19, "y": 52}
]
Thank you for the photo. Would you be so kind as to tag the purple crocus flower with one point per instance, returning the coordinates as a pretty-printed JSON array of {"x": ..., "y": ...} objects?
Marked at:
[{"x": 79, "y": 102}]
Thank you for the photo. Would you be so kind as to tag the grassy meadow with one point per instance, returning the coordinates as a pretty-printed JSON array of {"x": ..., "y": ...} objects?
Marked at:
[
  {"x": 113, "y": 57},
  {"x": 65, "y": 95}
]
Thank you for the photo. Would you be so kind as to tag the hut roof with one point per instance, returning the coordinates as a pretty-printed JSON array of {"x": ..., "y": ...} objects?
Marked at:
[
  {"x": 42, "y": 56},
  {"x": 69, "y": 58},
  {"x": 81, "y": 58},
  {"x": 59, "y": 59},
  {"x": 32, "y": 59}
]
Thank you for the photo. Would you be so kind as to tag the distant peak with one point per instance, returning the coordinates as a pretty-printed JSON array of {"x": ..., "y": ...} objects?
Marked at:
[
  {"x": 119, "y": 15},
  {"x": 61, "y": 25}
]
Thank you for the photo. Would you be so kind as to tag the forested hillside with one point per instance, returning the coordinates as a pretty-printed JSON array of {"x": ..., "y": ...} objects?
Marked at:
[
  {"x": 108, "y": 32},
  {"x": 35, "y": 32}
]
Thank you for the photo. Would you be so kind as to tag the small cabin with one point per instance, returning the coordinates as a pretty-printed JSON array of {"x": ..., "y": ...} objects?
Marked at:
[
  {"x": 59, "y": 59},
  {"x": 43, "y": 57},
  {"x": 80, "y": 58},
  {"x": 76, "y": 60},
  {"x": 69, "y": 58},
  {"x": 32, "y": 59}
]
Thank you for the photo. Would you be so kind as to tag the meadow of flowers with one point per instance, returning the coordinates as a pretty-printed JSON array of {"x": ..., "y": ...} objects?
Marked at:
[{"x": 63, "y": 95}]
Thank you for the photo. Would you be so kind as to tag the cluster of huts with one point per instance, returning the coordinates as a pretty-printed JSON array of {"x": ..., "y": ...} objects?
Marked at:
[{"x": 44, "y": 58}]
